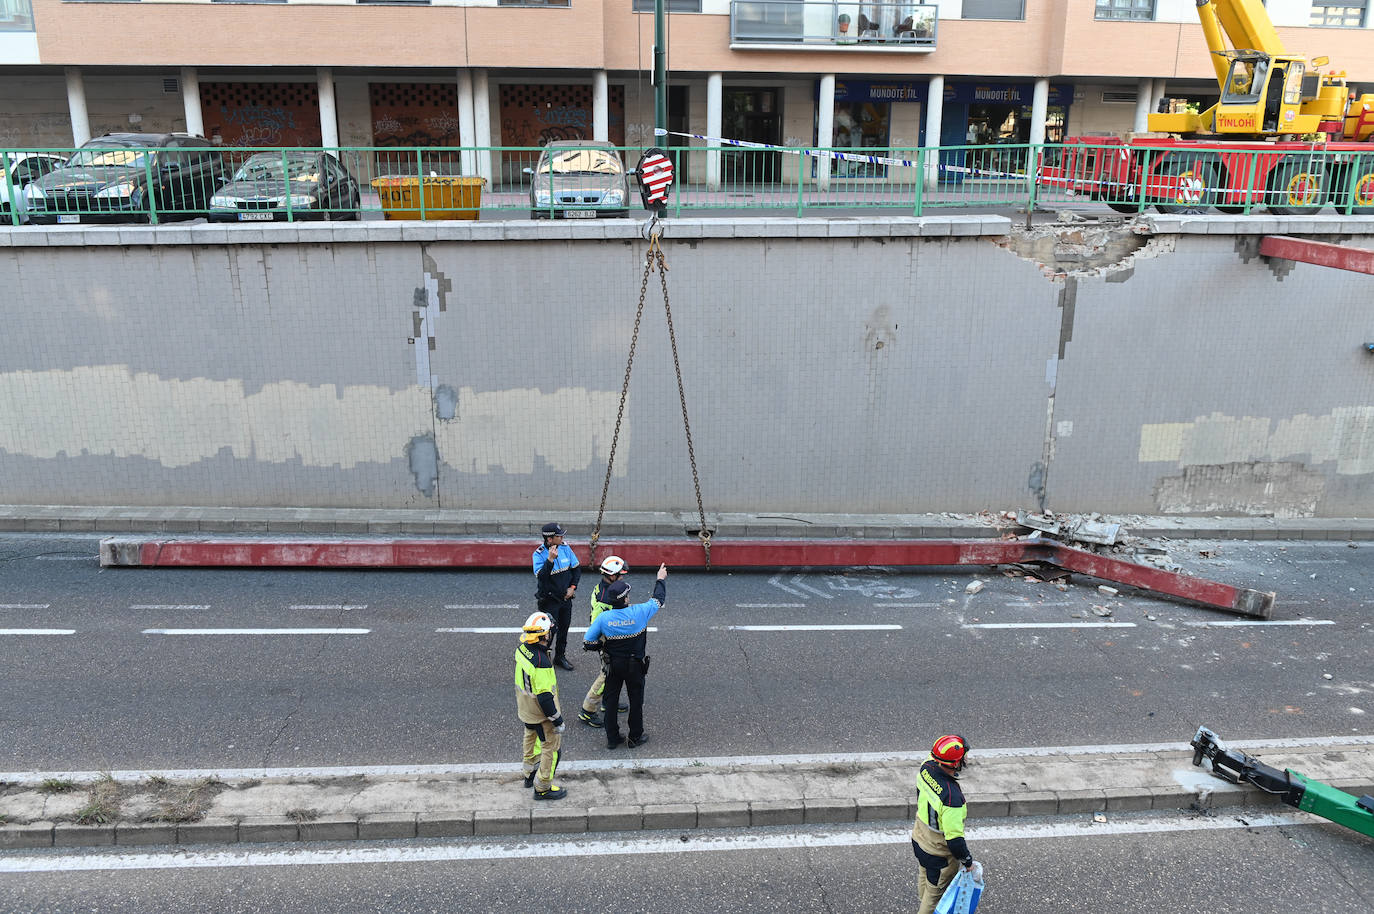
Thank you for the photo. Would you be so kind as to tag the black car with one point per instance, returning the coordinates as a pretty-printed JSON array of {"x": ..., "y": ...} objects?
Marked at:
[
  {"x": 318, "y": 187},
  {"x": 17, "y": 171},
  {"x": 125, "y": 177}
]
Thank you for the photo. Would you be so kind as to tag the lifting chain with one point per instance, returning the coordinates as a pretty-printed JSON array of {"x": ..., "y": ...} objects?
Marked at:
[{"x": 653, "y": 260}]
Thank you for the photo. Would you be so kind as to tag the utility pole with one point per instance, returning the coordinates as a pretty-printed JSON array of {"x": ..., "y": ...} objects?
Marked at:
[{"x": 660, "y": 74}]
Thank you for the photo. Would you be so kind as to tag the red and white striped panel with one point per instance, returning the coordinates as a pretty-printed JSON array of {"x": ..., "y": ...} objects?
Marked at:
[{"x": 656, "y": 174}]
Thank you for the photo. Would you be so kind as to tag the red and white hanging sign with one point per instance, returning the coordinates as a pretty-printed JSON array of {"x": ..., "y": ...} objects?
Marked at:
[{"x": 655, "y": 177}]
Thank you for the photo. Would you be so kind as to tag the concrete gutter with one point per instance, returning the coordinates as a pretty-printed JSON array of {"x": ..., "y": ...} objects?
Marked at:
[{"x": 625, "y": 794}]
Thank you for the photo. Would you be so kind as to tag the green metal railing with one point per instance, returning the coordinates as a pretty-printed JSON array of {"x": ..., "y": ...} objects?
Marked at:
[{"x": 298, "y": 184}]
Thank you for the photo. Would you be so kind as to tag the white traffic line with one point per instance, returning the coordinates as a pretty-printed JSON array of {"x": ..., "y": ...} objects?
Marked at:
[
  {"x": 37, "y": 631},
  {"x": 506, "y": 630},
  {"x": 328, "y": 606},
  {"x": 1239, "y": 622},
  {"x": 1320, "y": 561},
  {"x": 1050, "y": 625},
  {"x": 770, "y": 605},
  {"x": 694, "y": 763},
  {"x": 256, "y": 631},
  {"x": 170, "y": 606},
  {"x": 481, "y": 606},
  {"x": 1028, "y": 604},
  {"x": 25, "y": 605},
  {"x": 904, "y": 605},
  {"x": 807, "y": 628},
  {"x": 655, "y": 843},
  {"x": 67, "y": 558}
]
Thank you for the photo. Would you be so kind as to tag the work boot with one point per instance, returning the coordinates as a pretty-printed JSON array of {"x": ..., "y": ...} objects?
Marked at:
[
  {"x": 612, "y": 743},
  {"x": 553, "y": 793},
  {"x": 564, "y": 663},
  {"x": 529, "y": 778},
  {"x": 591, "y": 718},
  {"x": 635, "y": 743}
]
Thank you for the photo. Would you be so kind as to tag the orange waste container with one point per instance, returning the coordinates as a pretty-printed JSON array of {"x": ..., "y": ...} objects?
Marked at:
[{"x": 444, "y": 196}]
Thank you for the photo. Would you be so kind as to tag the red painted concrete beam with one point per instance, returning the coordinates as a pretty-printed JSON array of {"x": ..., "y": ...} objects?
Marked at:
[
  {"x": 679, "y": 553},
  {"x": 1318, "y": 252}
]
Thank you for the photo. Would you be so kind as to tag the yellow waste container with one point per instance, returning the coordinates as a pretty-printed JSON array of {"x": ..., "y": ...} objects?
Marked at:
[{"x": 445, "y": 196}]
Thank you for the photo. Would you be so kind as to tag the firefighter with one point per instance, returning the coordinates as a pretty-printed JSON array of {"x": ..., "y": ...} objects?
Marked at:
[
  {"x": 556, "y": 574},
  {"x": 622, "y": 633},
  {"x": 937, "y": 837},
  {"x": 612, "y": 570},
  {"x": 536, "y": 700}
]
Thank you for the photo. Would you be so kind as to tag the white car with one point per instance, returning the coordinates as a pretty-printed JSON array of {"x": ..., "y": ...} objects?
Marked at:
[
  {"x": 578, "y": 179},
  {"x": 17, "y": 171}
]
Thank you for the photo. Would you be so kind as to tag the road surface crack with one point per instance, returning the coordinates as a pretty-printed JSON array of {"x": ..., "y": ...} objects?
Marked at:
[{"x": 300, "y": 695}]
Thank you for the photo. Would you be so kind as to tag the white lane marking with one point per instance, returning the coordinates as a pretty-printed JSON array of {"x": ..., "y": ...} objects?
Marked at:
[
  {"x": 798, "y": 582},
  {"x": 1238, "y": 622},
  {"x": 776, "y": 581},
  {"x": 494, "y": 630},
  {"x": 25, "y": 605},
  {"x": 66, "y": 558},
  {"x": 170, "y": 606},
  {"x": 808, "y": 628},
  {"x": 695, "y": 764},
  {"x": 1050, "y": 625},
  {"x": 37, "y": 631},
  {"x": 580, "y": 846},
  {"x": 904, "y": 605},
  {"x": 256, "y": 631},
  {"x": 1319, "y": 561},
  {"x": 328, "y": 606},
  {"x": 481, "y": 606},
  {"x": 770, "y": 605},
  {"x": 1020, "y": 604}
]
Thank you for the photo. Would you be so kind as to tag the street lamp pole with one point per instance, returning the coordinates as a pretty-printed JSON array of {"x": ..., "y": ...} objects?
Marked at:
[{"x": 660, "y": 74}]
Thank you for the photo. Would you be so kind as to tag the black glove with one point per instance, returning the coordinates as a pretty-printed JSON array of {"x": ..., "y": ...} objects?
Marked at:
[{"x": 558, "y": 722}]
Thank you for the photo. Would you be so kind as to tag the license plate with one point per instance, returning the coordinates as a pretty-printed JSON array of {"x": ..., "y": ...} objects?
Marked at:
[
  {"x": 68, "y": 218},
  {"x": 579, "y": 214},
  {"x": 255, "y": 217}
]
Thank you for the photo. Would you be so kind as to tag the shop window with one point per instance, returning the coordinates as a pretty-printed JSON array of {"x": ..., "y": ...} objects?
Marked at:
[
  {"x": 994, "y": 9},
  {"x": 669, "y": 6},
  {"x": 861, "y": 127},
  {"x": 1347, "y": 14},
  {"x": 1126, "y": 9}
]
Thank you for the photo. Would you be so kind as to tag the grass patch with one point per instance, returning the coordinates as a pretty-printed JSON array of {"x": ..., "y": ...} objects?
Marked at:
[
  {"x": 184, "y": 803},
  {"x": 303, "y": 815},
  {"x": 102, "y": 803},
  {"x": 158, "y": 781},
  {"x": 56, "y": 785}
]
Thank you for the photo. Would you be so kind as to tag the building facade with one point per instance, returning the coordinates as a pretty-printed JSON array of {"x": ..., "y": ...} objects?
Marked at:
[{"x": 519, "y": 73}]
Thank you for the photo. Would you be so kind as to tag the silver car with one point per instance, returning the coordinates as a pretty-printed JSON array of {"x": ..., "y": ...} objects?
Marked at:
[{"x": 578, "y": 179}]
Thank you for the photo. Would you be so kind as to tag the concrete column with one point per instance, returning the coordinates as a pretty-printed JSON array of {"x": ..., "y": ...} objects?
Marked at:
[
  {"x": 715, "y": 93},
  {"x": 481, "y": 119},
  {"x": 825, "y": 129},
  {"x": 1144, "y": 99},
  {"x": 1040, "y": 104},
  {"x": 329, "y": 111},
  {"x": 467, "y": 128},
  {"x": 601, "y": 107},
  {"x": 935, "y": 112},
  {"x": 76, "y": 104},
  {"x": 1157, "y": 95},
  {"x": 190, "y": 98}
]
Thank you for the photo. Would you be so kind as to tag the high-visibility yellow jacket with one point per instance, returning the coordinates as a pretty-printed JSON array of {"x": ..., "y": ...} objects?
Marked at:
[
  {"x": 941, "y": 806},
  {"x": 536, "y": 686}
]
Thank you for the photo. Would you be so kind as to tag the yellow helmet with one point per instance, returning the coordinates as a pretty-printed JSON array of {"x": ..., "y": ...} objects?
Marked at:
[{"x": 536, "y": 627}]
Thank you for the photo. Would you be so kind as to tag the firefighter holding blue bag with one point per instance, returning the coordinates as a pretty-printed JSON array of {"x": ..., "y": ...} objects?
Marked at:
[{"x": 937, "y": 837}]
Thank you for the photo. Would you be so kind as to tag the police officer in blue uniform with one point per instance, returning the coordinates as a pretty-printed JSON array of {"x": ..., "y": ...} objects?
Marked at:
[
  {"x": 621, "y": 633},
  {"x": 556, "y": 574}
]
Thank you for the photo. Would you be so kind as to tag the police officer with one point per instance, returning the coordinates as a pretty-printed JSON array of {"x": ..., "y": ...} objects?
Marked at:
[
  {"x": 536, "y": 701},
  {"x": 937, "y": 837},
  {"x": 556, "y": 575},
  {"x": 622, "y": 633},
  {"x": 612, "y": 570}
]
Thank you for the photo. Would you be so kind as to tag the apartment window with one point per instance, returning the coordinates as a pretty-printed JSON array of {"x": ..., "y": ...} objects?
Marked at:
[
  {"x": 364, "y": 2},
  {"x": 669, "y": 6},
  {"x": 994, "y": 9},
  {"x": 1126, "y": 9},
  {"x": 1339, "y": 13},
  {"x": 531, "y": 2}
]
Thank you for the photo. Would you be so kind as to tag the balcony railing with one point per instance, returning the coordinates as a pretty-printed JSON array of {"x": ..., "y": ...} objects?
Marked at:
[
  {"x": 892, "y": 25},
  {"x": 16, "y": 16}
]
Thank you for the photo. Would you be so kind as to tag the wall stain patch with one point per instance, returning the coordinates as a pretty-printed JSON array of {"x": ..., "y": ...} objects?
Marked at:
[
  {"x": 1282, "y": 489},
  {"x": 1344, "y": 436},
  {"x": 445, "y": 402},
  {"x": 423, "y": 457}
]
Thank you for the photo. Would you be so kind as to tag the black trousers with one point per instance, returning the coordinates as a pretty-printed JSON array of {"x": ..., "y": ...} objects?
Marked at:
[
  {"x": 629, "y": 672},
  {"x": 561, "y": 611}
]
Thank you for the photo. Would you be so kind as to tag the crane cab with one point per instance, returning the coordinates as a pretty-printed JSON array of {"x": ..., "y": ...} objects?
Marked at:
[{"x": 1263, "y": 95}]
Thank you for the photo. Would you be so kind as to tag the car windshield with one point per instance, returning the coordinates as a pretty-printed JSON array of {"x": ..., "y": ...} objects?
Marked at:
[
  {"x": 109, "y": 154},
  {"x": 581, "y": 161},
  {"x": 271, "y": 168}
]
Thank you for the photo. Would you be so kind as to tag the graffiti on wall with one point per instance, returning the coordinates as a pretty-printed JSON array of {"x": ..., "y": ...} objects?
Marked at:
[
  {"x": 414, "y": 114},
  {"x": 261, "y": 114}
]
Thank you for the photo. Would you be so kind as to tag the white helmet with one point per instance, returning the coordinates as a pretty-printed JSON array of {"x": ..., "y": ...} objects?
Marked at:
[
  {"x": 614, "y": 564},
  {"x": 536, "y": 627}
]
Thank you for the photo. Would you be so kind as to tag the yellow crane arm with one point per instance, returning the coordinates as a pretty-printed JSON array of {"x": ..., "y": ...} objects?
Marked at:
[{"x": 1244, "y": 22}]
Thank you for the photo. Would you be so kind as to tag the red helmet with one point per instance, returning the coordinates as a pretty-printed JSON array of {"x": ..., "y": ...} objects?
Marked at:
[{"x": 950, "y": 752}]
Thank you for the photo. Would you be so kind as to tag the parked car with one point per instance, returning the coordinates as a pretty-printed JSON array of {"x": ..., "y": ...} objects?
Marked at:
[
  {"x": 17, "y": 171},
  {"x": 578, "y": 179},
  {"x": 121, "y": 177},
  {"x": 319, "y": 188}
]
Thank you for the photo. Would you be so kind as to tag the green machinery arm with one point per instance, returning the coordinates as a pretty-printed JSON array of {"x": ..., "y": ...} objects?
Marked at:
[{"x": 1292, "y": 788}]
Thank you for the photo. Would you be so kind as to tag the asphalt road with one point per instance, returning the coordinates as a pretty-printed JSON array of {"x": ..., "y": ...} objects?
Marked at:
[
  {"x": 1178, "y": 863},
  {"x": 110, "y": 695}
]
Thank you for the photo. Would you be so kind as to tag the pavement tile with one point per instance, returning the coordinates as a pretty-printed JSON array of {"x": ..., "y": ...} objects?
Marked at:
[
  {"x": 444, "y": 824},
  {"x": 1074, "y": 801},
  {"x": 722, "y": 815},
  {"x": 980, "y": 805},
  {"x": 549, "y": 819},
  {"x": 146, "y": 833},
  {"x": 268, "y": 829},
  {"x": 776, "y": 812},
  {"x": 670, "y": 815},
  {"x": 35, "y": 834},
  {"x": 501, "y": 822},
  {"x": 387, "y": 825},
  {"x": 615, "y": 818},
  {"x": 1033, "y": 803},
  {"x": 829, "y": 810},
  {"x": 208, "y": 831},
  {"x": 337, "y": 827},
  {"x": 69, "y": 834},
  {"x": 1128, "y": 799},
  {"x": 881, "y": 809}
]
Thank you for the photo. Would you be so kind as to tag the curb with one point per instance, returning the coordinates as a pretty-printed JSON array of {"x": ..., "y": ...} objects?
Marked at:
[{"x": 576, "y": 820}]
